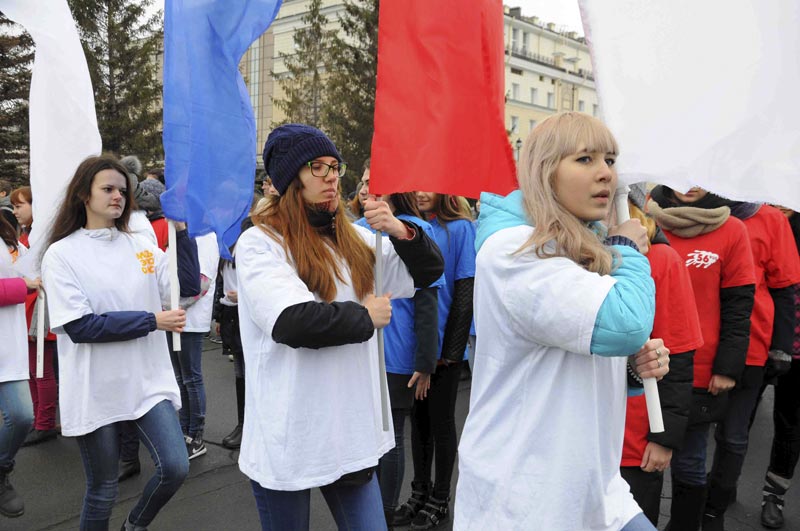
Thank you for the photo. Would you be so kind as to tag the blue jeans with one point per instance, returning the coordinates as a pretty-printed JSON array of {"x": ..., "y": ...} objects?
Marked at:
[
  {"x": 689, "y": 463},
  {"x": 17, "y": 409},
  {"x": 160, "y": 432},
  {"x": 353, "y": 508},
  {"x": 639, "y": 523},
  {"x": 188, "y": 371}
]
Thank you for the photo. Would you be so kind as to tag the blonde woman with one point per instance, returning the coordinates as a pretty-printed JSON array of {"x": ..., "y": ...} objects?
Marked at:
[{"x": 560, "y": 303}]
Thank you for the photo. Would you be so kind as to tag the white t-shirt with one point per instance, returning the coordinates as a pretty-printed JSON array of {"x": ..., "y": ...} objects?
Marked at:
[
  {"x": 229, "y": 283},
  {"x": 542, "y": 444},
  {"x": 198, "y": 315},
  {"x": 139, "y": 224},
  {"x": 311, "y": 416},
  {"x": 13, "y": 328},
  {"x": 98, "y": 271}
]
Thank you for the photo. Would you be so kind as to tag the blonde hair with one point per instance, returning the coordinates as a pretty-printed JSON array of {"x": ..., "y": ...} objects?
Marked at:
[
  {"x": 555, "y": 138},
  {"x": 647, "y": 222}
]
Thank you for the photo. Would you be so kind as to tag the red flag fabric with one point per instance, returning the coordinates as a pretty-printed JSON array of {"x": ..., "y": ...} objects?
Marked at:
[{"x": 439, "y": 104}]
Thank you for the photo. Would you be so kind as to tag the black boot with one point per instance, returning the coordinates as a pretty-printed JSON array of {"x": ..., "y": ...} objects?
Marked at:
[
  {"x": 775, "y": 488},
  {"x": 234, "y": 439},
  {"x": 687, "y": 506},
  {"x": 713, "y": 522},
  {"x": 717, "y": 502},
  {"x": 128, "y": 469},
  {"x": 406, "y": 512},
  {"x": 435, "y": 514},
  {"x": 11, "y": 504}
]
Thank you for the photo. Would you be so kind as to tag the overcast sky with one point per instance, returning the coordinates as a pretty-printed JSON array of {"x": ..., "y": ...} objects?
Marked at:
[{"x": 561, "y": 12}]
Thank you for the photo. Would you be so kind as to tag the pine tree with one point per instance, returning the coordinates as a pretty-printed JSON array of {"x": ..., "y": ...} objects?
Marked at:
[
  {"x": 352, "y": 66},
  {"x": 16, "y": 57},
  {"x": 302, "y": 84},
  {"x": 123, "y": 47}
]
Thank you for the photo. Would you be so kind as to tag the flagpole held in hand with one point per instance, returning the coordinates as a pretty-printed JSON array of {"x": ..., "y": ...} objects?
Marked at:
[
  {"x": 40, "y": 335},
  {"x": 650, "y": 384},
  {"x": 381, "y": 359},
  {"x": 174, "y": 285}
]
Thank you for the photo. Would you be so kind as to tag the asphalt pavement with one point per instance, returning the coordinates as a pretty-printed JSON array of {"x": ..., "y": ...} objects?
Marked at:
[{"x": 217, "y": 496}]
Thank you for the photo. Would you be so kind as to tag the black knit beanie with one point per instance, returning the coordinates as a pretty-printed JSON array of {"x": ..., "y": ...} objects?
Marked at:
[{"x": 289, "y": 147}]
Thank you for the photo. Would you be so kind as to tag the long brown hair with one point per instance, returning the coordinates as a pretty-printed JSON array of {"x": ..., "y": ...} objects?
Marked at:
[
  {"x": 448, "y": 207},
  {"x": 354, "y": 205},
  {"x": 316, "y": 257},
  {"x": 405, "y": 203},
  {"x": 8, "y": 234},
  {"x": 71, "y": 214}
]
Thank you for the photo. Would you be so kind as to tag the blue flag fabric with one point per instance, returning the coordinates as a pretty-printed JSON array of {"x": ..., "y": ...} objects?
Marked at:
[{"x": 209, "y": 127}]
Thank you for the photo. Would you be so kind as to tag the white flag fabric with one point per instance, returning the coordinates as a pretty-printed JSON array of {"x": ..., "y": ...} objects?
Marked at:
[
  {"x": 63, "y": 123},
  {"x": 702, "y": 93}
]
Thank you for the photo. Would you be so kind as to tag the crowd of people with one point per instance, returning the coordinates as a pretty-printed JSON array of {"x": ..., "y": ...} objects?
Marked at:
[{"x": 560, "y": 309}]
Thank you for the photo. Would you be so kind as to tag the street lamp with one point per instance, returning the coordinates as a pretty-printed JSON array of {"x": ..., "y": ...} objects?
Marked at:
[{"x": 518, "y": 145}]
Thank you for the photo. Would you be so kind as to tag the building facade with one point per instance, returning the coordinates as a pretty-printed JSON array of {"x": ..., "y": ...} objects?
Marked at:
[{"x": 546, "y": 71}]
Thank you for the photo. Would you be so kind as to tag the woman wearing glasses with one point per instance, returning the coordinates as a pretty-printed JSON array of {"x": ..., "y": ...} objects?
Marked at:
[{"x": 308, "y": 313}]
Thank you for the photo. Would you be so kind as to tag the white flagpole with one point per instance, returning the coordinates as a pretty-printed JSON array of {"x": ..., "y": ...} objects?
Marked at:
[
  {"x": 650, "y": 384},
  {"x": 381, "y": 359},
  {"x": 174, "y": 286},
  {"x": 40, "y": 335}
]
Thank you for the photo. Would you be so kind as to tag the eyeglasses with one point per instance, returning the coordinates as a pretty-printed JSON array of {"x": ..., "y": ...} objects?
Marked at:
[{"x": 320, "y": 169}]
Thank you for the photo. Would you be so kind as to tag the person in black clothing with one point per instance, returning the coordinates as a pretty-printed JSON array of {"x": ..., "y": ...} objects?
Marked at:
[{"x": 786, "y": 414}]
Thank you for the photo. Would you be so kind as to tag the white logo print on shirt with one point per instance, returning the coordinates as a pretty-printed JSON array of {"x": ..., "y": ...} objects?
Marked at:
[{"x": 704, "y": 259}]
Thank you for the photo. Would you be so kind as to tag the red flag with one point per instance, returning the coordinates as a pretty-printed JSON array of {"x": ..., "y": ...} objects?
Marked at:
[{"x": 439, "y": 123}]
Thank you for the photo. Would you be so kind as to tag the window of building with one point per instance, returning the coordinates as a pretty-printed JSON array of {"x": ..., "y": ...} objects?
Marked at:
[
  {"x": 581, "y": 105},
  {"x": 531, "y": 125},
  {"x": 516, "y": 71},
  {"x": 514, "y": 124},
  {"x": 515, "y": 91},
  {"x": 594, "y": 110},
  {"x": 525, "y": 46},
  {"x": 551, "y": 100},
  {"x": 514, "y": 38},
  {"x": 534, "y": 96}
]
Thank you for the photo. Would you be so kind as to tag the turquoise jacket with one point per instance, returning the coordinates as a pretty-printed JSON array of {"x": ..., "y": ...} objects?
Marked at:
[{"x": 625, "y": 318}]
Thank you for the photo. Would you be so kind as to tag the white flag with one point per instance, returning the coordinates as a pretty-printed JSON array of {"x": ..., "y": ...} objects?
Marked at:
[
  {"x": 63, "y": 123},
  {"x": 702, "y": 93}
]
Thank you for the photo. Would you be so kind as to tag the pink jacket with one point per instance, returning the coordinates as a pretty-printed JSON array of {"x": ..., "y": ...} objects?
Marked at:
[{"x": 12, "y": 291}]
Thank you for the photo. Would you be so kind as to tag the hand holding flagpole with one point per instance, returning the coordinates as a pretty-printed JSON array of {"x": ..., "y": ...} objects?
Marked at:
[
  {"x": 174, "y": 285},
  {"x": 650, "y": 384},
  {"x": 40, "y": 334},
  {"x": 381, "y": 359}
]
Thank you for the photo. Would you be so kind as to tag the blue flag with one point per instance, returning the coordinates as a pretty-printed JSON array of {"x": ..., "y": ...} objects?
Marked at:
[{"x": 209, "y": 127}]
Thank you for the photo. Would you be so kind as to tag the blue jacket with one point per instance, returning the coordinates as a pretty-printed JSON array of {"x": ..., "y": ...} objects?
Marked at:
[{"x": 625, "y": 318}]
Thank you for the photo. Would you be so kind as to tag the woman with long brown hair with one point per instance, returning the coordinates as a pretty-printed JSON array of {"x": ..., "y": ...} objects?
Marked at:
[
  {"x": 308, "y": 313},
  {"x": 114, "y": 364}
]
